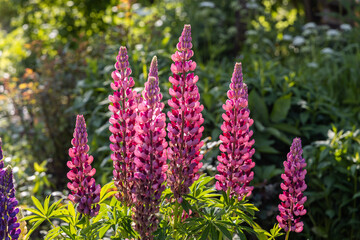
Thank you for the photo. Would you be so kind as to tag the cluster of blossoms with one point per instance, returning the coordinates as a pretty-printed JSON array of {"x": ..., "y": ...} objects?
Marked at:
[
  {"x": 140, "y": 150},
  {"x": 292, "y": 206},
  {"x": 235, "y": 160},
  {"x": 184, "y": 128},
  {"x": 150, "y": 156},
  {"x": 84, "y": 190},
  {"x": 9, "y": 227},
  {"x": 122, "y": 120}
]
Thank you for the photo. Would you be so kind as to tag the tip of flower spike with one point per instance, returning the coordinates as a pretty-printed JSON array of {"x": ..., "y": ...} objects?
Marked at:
[
  {"x": 122, "y": 50},
  {"x": 153, "y": 68},
  {"x": 185, "y": 39},
  {"x": 296, "y": 144},
  {"x": 80, "y": 120}
]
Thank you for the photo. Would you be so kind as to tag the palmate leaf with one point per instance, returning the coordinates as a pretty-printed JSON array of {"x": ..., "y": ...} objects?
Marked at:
[{"x": 43, "y": 213}]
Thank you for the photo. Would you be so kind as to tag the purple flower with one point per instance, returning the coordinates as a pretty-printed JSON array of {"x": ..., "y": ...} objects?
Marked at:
[
  {"x": 84, "y": 191},
  {"x": 9, "y": 227},
  {"x": 235, "y": 160},
  {"x": 292, "y": 205},
  {"x": 184, "y": 128},
  {"x": 150, "y": 157},
  {"x": 123, "y": 108},
  {"x": 1, "y": 156}
]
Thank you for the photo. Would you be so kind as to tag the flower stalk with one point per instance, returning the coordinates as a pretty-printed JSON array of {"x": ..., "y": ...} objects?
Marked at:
[
  {"x": 235, "y": 167},
  {"x": 150, "y": 157},
  {"x": 9, "y": 227},
  {"x": 84, "y": 190},
  {"x": 292, "y": 206},
  {"x": 123, "y": 107},
  {"x": 184, "y": 128}
]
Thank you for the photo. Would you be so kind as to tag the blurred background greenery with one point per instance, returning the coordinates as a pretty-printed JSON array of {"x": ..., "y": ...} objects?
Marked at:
[{"x": 300, "y": 58}]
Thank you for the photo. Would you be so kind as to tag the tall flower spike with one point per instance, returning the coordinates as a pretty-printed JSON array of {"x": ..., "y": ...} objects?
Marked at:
[
  {"x": 1, "y": 156},
  {"x": 292, "y": 206},
  {"x": 235, "y": 160},
  {"x": 150, "y": 157},
  {"x": 122, "y": 121},
  {"x": 9, "y": 227},
  {"x": 83, "y": 188},
  {"x": 184, "y": 128}
]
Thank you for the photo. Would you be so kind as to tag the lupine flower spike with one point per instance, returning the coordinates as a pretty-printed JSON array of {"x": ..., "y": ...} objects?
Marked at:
[
  {"x": 150, "y": 157},
  {"x": 1, "y": 156},
  {"x": 84, "y": 191},
  {"x": 292, "y": 206},
  {"x": 235, "y": 167},
  {"x": 184, "y": 128},
  {"x": 122, "y": 121},
  {"x": 9, "y": 227}
]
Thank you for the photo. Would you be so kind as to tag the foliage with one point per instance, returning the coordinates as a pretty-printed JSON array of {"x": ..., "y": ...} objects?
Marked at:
[
  {"x": 302, "y": 76},
  {"x": 334, "y": 184},
  {"x": 213, "y": 216}
]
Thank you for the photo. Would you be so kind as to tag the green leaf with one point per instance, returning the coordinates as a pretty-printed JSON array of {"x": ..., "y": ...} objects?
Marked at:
[
  {"x": 186, "y": 206},
  {"x": 279, "y": 135},
  {"x": 287, "y": 128},
  {"x": 258, "y": 107},
  {"x": 67, "y": 231},
  {"x": 34, "y": 227},
  {"x": 46, "y": 205},
  {"x": 281, "y": 108},
  {"x": 38, "y": 204},
  {"x": 205, "y": 233},
  {"x": 224, "y": 230}
]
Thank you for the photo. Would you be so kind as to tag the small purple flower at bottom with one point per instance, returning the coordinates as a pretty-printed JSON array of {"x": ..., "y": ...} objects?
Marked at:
[
  {"x": 292, "y": 206},
  {"x": 9, "y": 227},
  {"x": 84, "y": 191},
  {"x": 1, "y": 156}
]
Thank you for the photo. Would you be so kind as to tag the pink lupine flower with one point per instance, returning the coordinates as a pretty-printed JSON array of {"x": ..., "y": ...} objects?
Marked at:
[
  {"x": 150, "y": 157},
  {"x": 235, "y": 160},
  {"x": 123, "y": 108},
  {"x": 84, "y": 191},
  {"x": 292, "y": 206},
  {"x": 184, "y": 129}
]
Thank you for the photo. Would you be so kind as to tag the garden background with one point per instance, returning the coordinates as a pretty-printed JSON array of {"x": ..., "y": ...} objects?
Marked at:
[{"x": 300, "y": 61}]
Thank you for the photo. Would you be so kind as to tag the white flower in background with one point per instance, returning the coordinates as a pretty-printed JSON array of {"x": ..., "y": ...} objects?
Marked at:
[
  {"x": 345, "y": 27},
  {"x": 307, "y": 32},
  {"x": 251, "y": 32},
  {"x": 252, "y": 5},
  {"x": 53, "y": 34},
  {"x": 328, "y": 51},
  {"x": 287, "y": 37},
  {"x": 312, "y": 65},
  {"x": 309, "y": 25},
  {"x": 207, "y": 4},
  {"x": 298, "y": 41},
  {"x": 332, "y": 33}
]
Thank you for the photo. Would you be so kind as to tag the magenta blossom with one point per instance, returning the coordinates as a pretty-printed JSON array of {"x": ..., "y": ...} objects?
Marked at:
[
  {"x": 184, "y": 128},
  {"x": 150, "y": 157},
  {"x": 84, "y": 191},
  {"x": 235, "y": 167},
  {"x": 9, "y": 226},
  {"x": 292, "y": 206},
  {"x": 122, "y": 121}
]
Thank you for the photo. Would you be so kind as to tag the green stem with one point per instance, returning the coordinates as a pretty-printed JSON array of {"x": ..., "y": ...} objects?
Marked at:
[
  {"x": 287, "y": 235},
  {"x": 87, "y": 225},
  {"x": 176, "y": 218}
]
